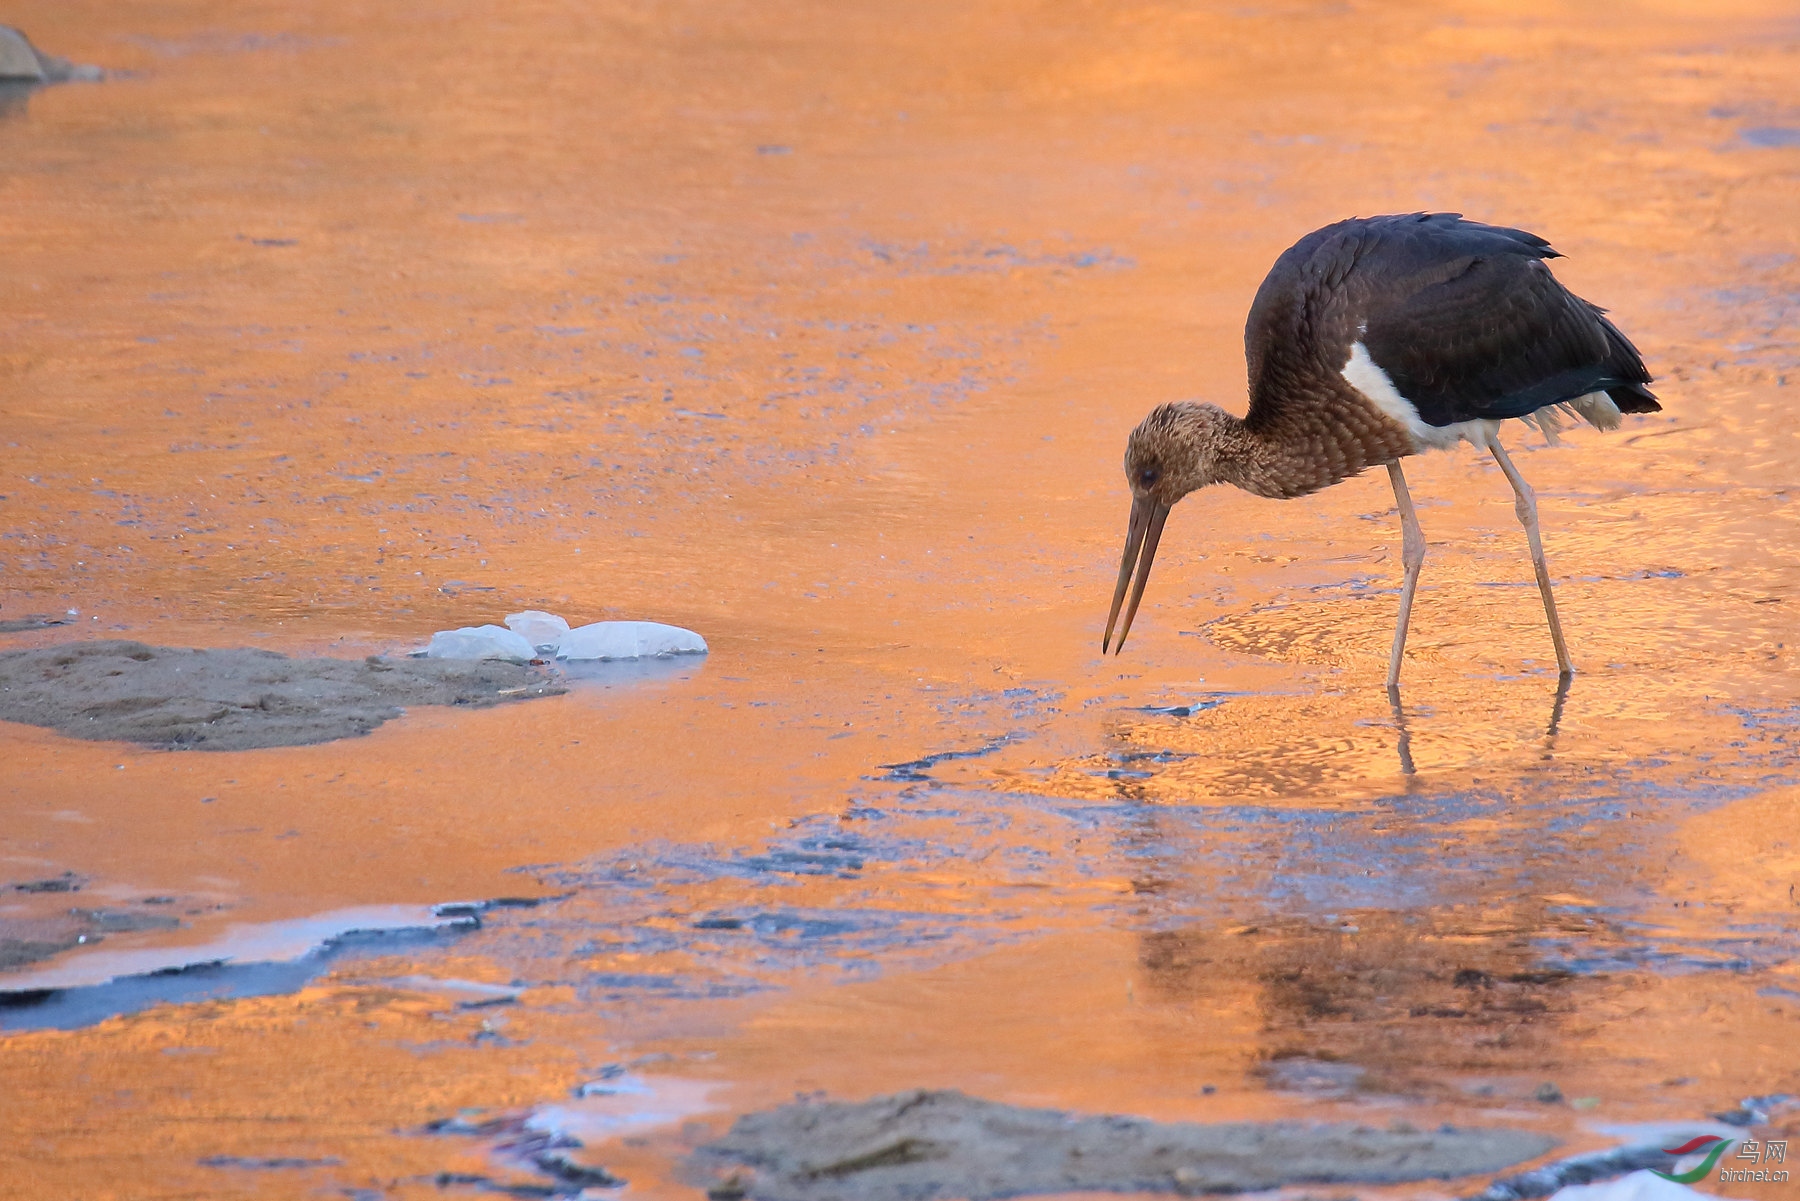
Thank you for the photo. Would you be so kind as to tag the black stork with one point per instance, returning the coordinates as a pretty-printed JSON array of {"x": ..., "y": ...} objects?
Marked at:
[{"x": 1377, "y": 338}]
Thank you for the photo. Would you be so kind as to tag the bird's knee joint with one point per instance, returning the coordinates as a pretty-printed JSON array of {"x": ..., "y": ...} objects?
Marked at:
[{"x": 1412, "y": 550}]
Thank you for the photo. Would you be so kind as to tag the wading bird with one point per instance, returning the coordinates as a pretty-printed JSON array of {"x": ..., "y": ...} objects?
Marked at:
[{"x": 1378, "y": 338}]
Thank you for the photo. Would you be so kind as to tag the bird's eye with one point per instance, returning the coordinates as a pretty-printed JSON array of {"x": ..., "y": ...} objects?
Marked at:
[{"x": 1149, "y": 475}]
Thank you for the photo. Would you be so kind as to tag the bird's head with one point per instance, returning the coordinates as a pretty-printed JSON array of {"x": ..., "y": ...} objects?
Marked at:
[{"x": 1172, "y": 452}]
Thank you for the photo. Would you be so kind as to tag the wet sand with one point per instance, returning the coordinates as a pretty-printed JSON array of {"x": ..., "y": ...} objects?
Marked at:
[{"x": 817, "y": 329}]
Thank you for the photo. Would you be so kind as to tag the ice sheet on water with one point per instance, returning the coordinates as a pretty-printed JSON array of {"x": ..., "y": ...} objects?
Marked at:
[
  {"x": 1662, "y": 1134},
  {"x": 481, "y": 642},
  {"x": 248, "y": 960},
  {"x": 624, "y": 1106},
  {"x": 264, "y": 942},
  {"x": 542, "y": 630},
  {"x": 629, "y": 640}
]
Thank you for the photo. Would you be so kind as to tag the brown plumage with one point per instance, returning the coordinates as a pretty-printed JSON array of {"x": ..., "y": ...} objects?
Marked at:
[{"x": 1374, "y": 339}]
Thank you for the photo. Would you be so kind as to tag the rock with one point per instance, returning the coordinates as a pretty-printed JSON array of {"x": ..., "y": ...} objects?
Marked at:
[
  {"x": 542, "y": 630},
  {"x": 1548, "y": 1094},
  {"x": 21, "y": 62},
  {"x": 481, "y": 642},
  {"x": 629, "y": 640}
]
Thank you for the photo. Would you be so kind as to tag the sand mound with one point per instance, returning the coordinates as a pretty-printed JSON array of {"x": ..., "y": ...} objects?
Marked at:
[
  {"x": 923, "y": 1145},
  {"x": 232, "y": 700}
]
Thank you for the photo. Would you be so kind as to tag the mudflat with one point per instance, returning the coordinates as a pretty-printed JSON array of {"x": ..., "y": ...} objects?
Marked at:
[
  {"x": 235, "y": 700},
  {"x": 924, "y": 1144},
  {"x": 818, "y": 329}
]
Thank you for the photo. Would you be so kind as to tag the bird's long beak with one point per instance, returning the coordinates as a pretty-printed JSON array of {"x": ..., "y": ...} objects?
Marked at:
[{"x": 1147, "y": 517}]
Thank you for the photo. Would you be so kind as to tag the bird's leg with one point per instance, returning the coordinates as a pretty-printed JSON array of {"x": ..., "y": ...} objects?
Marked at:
[
  {"x": 1556, "y": 715},
  {"x": 1412, "y": 554},
  {"x": 1405, "y": 746},
  {"x": 1525, "y": 504}
]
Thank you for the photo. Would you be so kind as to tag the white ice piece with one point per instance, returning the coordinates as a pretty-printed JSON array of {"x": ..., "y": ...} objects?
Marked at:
[
  {"x": 17, "y": 59},
  {"x": 481, "y": 642},
  {"x": 1637, "y": 1186},
  {"x": 542, "y": 630},
  {"x": 629, "y": 640}
]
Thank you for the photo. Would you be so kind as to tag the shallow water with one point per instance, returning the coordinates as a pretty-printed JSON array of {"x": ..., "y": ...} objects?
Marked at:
[{"x": 817, "y": 329}]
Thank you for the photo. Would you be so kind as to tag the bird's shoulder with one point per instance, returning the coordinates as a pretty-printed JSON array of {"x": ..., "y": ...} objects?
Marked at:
[{"x": 1339, "y": 277}]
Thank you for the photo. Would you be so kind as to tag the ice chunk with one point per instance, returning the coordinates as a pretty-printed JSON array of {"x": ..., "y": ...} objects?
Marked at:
[
  {"x": 481, "y": 642},
  {"x": 628, "y": 640},
  {"x": 542, "y": 630},
  {"x": 21, "y": 62},
  {"x": 1638, "y": 1186},
  {"x": 17, "y": 61}
]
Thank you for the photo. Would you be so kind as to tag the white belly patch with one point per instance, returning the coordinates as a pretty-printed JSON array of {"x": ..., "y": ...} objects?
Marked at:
[{"x": 1377, "y": 387}]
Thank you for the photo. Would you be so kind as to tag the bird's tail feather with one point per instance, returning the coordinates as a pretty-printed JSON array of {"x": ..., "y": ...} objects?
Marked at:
[
  {"x": 1596, "y": 408},
  {"x": 1629, "y": 395}
]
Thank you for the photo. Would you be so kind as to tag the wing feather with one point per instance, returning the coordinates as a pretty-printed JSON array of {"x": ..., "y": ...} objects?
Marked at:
[
  {"x": 1465, "y": 318},
  {"x": 1495, "y": 336}
]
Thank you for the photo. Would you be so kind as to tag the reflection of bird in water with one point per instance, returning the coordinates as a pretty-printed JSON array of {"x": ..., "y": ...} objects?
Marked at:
[
  {"x": 1378, "y": 338},
  {"x": 1404, "y": 746}
]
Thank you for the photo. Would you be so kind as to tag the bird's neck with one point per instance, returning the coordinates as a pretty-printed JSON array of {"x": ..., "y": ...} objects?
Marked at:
[{"x": 1310, "y": 446}]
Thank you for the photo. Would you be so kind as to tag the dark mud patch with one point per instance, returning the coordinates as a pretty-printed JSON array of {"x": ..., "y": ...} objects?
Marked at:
[
  {"x": 20, "y": 952},
  {"x": 270, "y": 1163},
  {"x": 543, "y": 1151},
  {"x": 30, "y": 937},
  {"x": 19, "y": 625},
  {"x": 67, "y": 882},
  {"x": 914, "y": 770},
  {"x": 922, "y": 1145},
  {"x": 234, "y": 700}
]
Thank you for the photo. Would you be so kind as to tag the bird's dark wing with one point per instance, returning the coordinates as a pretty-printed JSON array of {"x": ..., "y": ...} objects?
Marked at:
[
  {"x": 1468, "y": 322},
  {"x": 1465, "y": 319}
]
